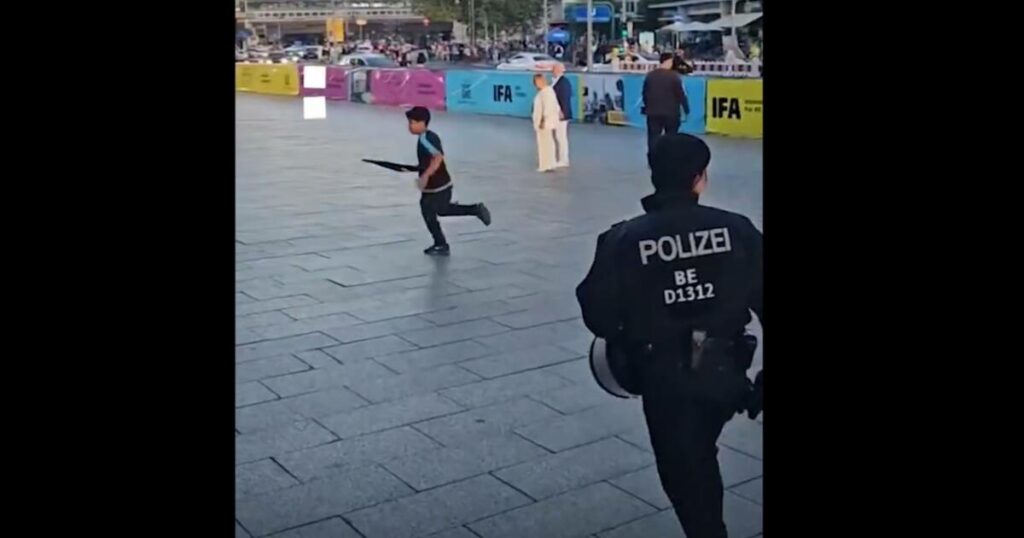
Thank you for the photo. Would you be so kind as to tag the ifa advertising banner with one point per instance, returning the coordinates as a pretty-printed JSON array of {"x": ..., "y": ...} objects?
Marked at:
[
  {"x": 490, "y": 92},
  {"x": 735, "y": 107}
]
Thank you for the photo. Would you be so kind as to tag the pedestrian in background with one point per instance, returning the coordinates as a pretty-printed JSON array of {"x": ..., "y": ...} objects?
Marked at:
[
  {"x": 546, "y": 116},
  {"x": 563, "y": 91},
  {"x": 664, "y": 101}
]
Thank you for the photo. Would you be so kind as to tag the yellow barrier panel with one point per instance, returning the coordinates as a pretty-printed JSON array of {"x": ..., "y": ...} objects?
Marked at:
[
  {"x": 617, "y": 117},
  {"x": 276, "y": 79},
  {"x": 735, "y": 107}
]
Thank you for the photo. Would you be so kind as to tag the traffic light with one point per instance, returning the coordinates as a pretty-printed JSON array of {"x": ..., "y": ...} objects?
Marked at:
[{"x": 625, "y": 34}]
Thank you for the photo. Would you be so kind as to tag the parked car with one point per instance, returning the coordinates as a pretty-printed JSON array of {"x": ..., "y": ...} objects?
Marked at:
[
  {"x": 528, "y": 61},
  {"x": 418, "y": 56},
  {"x": 366, "y": 60},
  {"x": 304, "y": 52}
]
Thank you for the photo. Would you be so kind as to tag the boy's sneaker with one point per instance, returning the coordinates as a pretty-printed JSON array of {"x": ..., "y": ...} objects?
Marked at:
[
  {"x": 483, "y": 214},
  {"x": 438, "y": 250}
]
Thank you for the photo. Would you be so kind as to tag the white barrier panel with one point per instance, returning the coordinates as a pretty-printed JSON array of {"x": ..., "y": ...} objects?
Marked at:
[
  {"x": 705, "y": 69},
  {"x": 632, "y": 67},
  {"x": 727, "y": 69}
]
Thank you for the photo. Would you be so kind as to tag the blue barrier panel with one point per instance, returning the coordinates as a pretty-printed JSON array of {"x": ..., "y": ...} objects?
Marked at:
[
  {"x": 696, "y": 90},
  {"x": 490, "y": 92}
]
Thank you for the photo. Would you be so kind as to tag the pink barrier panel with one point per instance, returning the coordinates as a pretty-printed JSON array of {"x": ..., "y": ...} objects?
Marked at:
[
  {"x": 337, "y": 84},
  {"x": 408, "y": 87}
]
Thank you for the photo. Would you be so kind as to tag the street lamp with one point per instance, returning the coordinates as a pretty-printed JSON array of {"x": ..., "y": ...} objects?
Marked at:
[
  {"x": 590, "y": 34},
  {"x": 360, "y": 23},
  {"x": 544, "y": 24},
  {"x": 472, "y": 23}
]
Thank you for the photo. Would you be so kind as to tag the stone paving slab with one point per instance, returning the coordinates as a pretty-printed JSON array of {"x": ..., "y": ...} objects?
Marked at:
[
  {"x": 518, "y": 361},
  {"x": 362, "y": 451},
  {"x": 742, "y": 517},
  {"x": 266, "y": 443},
  {"x": 438, "y": 509},
  {"x": 573, "y": 398},
  {"x": 589, "y": 425},
  {"x": 305, "y": 326},
  {"x": 645, "y": 485},
  {"x": 472, "y": 425},
  {"x": 577, "y": 371},
  {"x": 269, "y": 348},
  {"x": 744, "y": 435},
  {"x": 365, "y": 331},
  {"x": 329, "y": 528},
  {"x": 271, "y": 305},
  {"x": 551, "y": 333},
  {"x": 252, "y": 393},
  {"x": 269, "y": 367},
  {"x": 446, "y": 372},
  {"x": 453, "y": 333},
  {"x": 503, "y": 388},
  {"x": 470, "y": 312},
  {"x": 327, "y": 378},
  {"x": 441, "y": 298},
  {"x": 260, "y": 477},
  {"x": 752, "y": 490},
  {"x": 578, "y": 513},
  {"x": 320, "y": 499},
  {"x": 438, "y": 467},
  {"x": 662, "y": 524},
  {"x": 457, "y": 532},
  {"x": 261, "y": 320},
  {"x": 315, "y": 358},
  {"x": 296, "y": 409},
  {"x": 571, "y": 469},
  {"x": 423, "y": 359},
  {"x": 737, "y": 467},
  {"x": 414, "y": 383},
  {"x": 366, "y": 349},
  {"x": 391, "y": 414}
]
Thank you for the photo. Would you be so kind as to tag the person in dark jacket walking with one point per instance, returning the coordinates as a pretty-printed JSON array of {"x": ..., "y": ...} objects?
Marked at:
[
  {"x": 674, "y": 289},
  {"x": 663, "y": 97},
  {"x": 563, "y": 91}
]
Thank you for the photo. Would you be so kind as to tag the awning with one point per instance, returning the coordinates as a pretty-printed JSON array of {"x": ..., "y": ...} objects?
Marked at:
[
  {"x": 740, "y": 19},
  {"x": 690, "y": 27}
]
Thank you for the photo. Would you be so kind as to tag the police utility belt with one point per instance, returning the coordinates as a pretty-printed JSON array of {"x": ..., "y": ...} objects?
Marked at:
[{"x": 713, "y": 368}]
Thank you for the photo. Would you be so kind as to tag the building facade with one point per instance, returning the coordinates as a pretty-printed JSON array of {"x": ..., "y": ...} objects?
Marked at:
[{"x": 286, "y": 20}]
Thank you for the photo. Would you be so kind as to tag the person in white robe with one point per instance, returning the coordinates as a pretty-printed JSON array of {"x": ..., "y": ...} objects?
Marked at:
[{"x": 546, "y": 116}]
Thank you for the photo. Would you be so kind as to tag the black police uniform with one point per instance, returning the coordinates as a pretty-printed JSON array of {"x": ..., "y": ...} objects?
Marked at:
[{"x": 678, "y": 272}]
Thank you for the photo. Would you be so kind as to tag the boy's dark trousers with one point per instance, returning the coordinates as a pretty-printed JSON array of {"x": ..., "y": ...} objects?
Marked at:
[{"x": 439, "y": 204}]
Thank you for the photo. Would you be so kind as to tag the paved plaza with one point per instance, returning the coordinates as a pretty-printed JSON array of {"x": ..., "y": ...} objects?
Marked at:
[{"x": 381, "y": 393}]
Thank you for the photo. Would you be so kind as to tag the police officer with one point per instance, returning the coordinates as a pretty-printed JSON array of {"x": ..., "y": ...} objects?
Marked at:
[{"x": 674, "y": 289}]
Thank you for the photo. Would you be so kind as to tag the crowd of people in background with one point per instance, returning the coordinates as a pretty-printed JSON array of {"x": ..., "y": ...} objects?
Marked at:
[{"x": 433, "y": 49}]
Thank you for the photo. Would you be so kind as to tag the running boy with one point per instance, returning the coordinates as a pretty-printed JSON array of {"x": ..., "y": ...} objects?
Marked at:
[{"x": 435, "y": 183}]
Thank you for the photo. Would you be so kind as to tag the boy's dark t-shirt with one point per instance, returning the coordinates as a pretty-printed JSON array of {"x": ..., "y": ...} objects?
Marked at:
[{"x": 428, "y": 145}]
